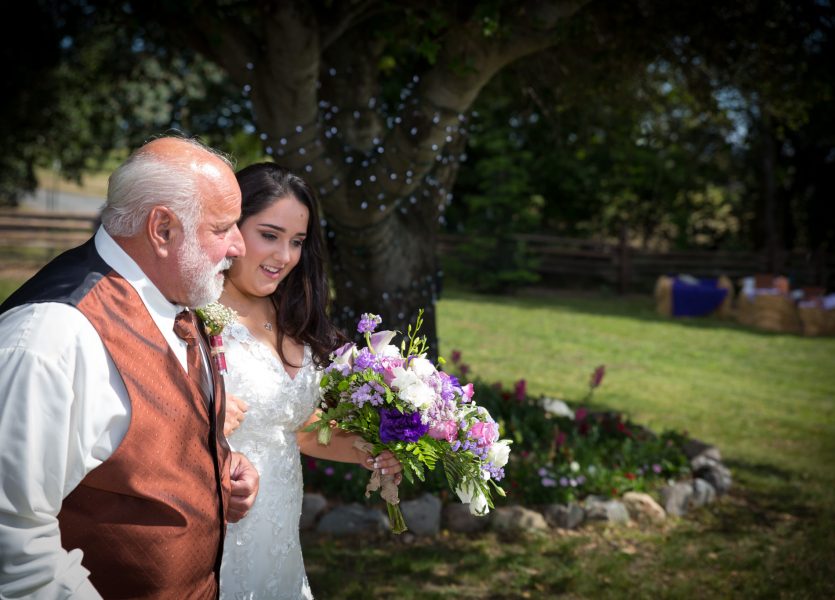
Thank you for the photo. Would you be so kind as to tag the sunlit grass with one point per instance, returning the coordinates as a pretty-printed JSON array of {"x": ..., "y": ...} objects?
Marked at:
[{"x": 765, "y": 400}]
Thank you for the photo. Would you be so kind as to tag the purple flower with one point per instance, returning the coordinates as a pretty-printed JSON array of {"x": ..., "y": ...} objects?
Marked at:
[
  {"x": 368, "y": 323},
  {"x": 597, "y": 376},
  {"x": 396, "y": 426},
  {"x": 329, "y": 471},
  {"x": 520, "y": 389},
  {"x": 656, "y": 468},
  {"x": 548, "y": 482},
  {"x": 364, "y": 360}
]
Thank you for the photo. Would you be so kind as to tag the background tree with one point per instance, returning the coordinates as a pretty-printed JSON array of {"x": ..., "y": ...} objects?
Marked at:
[{"x": 370, "y": 100}]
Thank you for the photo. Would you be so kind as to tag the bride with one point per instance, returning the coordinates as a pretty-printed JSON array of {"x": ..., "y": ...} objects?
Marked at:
[{"x": 275, "y": 352}]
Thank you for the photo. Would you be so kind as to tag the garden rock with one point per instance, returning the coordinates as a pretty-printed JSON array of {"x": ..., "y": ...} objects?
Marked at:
[
  {"x": 716, "y": 474},
  {"x": 703, "y": 493},
  {"x": 312, "y": 506},
  {"x": 603, "y": 509},
  {"x": 642, "y": 507},
  {"x": 564, "y": 516},
  {"x": 517, "y": 519},
  {"x": 457, "y": 518},
  {"x": 422, "y": 515},
  {"x": 694, "y": 448},
  {"x": 353, "y": 519},
  {"x": 676, "y": 498}
]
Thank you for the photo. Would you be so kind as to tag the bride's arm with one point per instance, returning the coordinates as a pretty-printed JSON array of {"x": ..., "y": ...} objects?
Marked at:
[{"x": 341, "y": 449}]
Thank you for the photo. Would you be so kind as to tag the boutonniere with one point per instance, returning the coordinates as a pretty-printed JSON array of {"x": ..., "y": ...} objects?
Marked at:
[{"x": 215, "y": 317}]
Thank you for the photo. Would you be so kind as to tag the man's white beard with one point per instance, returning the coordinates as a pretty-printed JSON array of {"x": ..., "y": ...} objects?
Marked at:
[{"x": 199, "y": 274}]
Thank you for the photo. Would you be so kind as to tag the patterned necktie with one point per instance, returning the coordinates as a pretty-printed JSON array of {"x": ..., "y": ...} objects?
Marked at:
[{"x": 185, "y": 326}]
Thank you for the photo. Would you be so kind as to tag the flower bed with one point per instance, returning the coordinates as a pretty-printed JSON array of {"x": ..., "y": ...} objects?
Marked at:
[{"x": 563, "y": 454}]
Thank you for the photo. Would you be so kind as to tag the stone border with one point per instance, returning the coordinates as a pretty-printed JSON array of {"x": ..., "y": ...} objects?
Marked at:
[{"x": 425, "y": 514}]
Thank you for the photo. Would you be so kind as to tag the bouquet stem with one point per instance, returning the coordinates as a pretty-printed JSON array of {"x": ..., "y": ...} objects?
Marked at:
[{"x": 398, "y": 524}]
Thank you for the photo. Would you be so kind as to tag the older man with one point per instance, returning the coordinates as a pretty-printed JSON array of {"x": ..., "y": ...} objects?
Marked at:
[{"x": 115, "y": 475}]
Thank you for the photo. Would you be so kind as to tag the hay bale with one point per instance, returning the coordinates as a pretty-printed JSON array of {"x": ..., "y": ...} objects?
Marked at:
[
  {"x": 664, "y": 296},
  {"x": 775, "y": 312},
  {"x": 813, "y": 320},
  {"x": 745, "y": 310},
  {"x": 726, "y": 308}
]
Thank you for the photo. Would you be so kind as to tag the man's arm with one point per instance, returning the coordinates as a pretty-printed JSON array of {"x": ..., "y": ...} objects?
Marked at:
[{"x": 47, "y": 445}]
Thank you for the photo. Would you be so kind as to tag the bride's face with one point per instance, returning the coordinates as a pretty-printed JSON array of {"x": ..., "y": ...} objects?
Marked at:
[{"x": 274, "y": 239}]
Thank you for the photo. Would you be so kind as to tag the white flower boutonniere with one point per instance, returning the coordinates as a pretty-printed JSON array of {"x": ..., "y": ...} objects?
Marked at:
[{"x": 215, "y": 316}]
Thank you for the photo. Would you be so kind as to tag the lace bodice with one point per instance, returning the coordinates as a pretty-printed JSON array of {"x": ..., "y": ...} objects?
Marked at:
[{"x": 262, "y": 555}]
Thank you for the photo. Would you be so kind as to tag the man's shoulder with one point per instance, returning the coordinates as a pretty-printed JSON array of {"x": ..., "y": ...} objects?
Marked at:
[
  {"x": 67, "y": 278},
  {"x": 47, "y": 328}
]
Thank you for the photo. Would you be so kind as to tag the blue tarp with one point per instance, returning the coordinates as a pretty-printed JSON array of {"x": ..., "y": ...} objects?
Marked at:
[{"x": 696, "y": 299}]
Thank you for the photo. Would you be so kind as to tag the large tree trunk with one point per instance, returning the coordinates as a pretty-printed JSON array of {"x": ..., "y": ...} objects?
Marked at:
[{"x": 383, "y": 173}]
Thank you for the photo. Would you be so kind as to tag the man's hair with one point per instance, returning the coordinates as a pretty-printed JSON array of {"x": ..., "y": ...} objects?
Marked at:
[{"x": 146, "y": 180}]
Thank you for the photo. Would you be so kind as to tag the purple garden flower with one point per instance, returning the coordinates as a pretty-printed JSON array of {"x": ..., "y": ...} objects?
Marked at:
[
  {"x": 396, "y": 426},
  {"x": 368, "y": 323}
]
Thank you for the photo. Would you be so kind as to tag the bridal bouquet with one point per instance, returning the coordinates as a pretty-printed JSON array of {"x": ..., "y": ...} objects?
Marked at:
[{"x": 397, "y": 400}]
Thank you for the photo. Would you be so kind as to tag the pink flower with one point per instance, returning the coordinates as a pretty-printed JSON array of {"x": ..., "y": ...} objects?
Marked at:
[
  {"x": 389, "y": 364},
  {"x": 468, "y": 391},
  {"x": 484, "y": 434},
  {"x": 580, "y": 414},
  {"x": 445, "y": 430}
]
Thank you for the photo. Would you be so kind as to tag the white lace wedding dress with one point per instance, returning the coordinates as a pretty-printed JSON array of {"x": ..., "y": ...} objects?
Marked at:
[{"x": 262, "y": 557}]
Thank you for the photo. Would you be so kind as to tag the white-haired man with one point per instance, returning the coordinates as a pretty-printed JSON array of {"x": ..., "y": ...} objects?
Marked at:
[{"x": 116, "y": 478}]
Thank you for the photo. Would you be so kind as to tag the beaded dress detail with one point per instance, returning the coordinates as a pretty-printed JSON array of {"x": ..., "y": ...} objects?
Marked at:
[{"x": 262, "y": 556}]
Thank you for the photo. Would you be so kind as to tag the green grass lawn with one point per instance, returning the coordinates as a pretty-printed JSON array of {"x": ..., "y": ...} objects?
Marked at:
[{"x": 766, "y": 400}]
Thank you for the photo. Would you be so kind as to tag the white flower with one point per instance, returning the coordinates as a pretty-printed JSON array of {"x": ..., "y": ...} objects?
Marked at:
[
  {"x": 389, "y": 350},
  {"x": 470, "y": 494},
  {"x": 411, "y": 389},
  {"x": 422, "y": 367},
  {"x": 499, "y": 453},
  {"x": 557, "y": 408},
  {"x": 575, "y": 466}
]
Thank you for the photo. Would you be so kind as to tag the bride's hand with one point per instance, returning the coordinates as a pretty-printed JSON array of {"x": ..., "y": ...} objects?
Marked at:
[
  {"x": 235, "y": 412},
  {"x": 387, "y": 464}
]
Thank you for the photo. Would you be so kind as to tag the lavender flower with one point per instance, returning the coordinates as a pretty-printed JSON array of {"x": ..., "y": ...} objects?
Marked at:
[{"x": 368, "y": 323}]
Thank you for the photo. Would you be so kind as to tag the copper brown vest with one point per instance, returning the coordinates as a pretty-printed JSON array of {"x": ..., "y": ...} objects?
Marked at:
[{"x": 151, "y": 518}]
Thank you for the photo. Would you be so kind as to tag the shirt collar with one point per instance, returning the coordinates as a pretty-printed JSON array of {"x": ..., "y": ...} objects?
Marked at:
[{"x": 162, "y": 311}]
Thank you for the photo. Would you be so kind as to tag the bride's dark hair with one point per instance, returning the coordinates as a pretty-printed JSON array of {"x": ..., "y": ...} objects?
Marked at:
[{"x": 301, "y": 299}]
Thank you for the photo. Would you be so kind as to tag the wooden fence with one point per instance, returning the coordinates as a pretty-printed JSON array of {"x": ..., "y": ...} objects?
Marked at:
[
  {"x": 32, "y": 238},
  {"x": 35, "y": 237},
  {"x": 569, "y": 261}
]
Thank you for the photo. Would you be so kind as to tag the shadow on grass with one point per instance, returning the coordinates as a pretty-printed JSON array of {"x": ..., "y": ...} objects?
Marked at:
[{"x": 447, "y": 566}]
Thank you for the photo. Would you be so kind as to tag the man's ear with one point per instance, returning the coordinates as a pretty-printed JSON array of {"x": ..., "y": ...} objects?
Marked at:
[{"x": 162, "y": 228}]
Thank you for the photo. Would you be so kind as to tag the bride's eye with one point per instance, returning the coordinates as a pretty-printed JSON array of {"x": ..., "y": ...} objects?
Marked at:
[{"x": 269, "y": 236}]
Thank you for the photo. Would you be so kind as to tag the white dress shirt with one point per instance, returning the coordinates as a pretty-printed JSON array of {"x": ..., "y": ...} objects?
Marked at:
[{"x": 63, "y": 411}]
